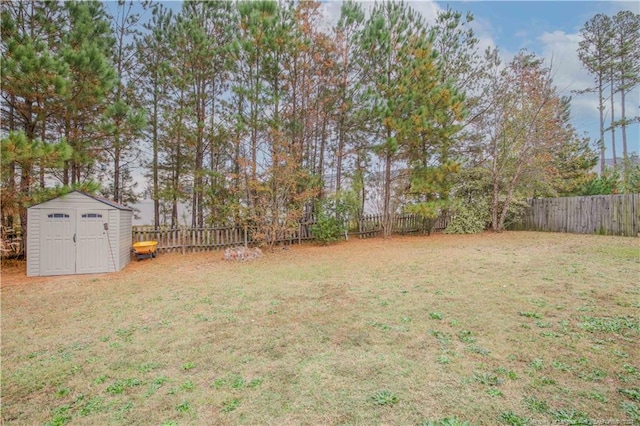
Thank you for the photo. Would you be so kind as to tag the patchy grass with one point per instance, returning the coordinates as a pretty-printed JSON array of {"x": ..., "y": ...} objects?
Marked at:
[{"x": 513, "y": 328}]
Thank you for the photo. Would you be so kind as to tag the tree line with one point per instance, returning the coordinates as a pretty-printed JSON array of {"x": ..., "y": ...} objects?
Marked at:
[
  {"x": 610, "y": 51},
  {"x": 258, "y": 112}
]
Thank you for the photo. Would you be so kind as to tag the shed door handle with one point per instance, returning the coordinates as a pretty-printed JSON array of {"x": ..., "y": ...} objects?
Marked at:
[{"x": 74, "y": 238}]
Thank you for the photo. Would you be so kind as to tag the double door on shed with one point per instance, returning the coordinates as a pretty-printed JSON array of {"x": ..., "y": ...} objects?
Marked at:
[{"x": 74, "y": 241}]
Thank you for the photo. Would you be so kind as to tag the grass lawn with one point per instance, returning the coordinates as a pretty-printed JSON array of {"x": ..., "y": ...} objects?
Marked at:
[{"x": 511, "y": 328}]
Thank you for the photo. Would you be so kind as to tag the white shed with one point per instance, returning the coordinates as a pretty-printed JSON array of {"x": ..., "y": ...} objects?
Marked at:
[{"x": 78, "y": 233}]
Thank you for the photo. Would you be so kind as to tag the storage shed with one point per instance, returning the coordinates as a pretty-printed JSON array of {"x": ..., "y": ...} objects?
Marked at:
[{"x": 78, "y": 233}]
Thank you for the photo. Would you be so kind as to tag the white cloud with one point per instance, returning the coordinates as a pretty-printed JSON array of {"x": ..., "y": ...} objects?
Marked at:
[{"x": 560, "y": 50}]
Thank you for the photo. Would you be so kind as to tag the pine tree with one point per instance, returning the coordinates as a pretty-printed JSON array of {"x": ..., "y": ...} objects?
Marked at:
[
  {"x": 123, "y": 119},
  {"x": 388, "y": 31},
  {"x": 346, "y": 35},
  {"x": 86, "y": 49},
  {"x": 153, "y": 60},
  {"x": 626, "y": 68},
  {"x": 595, "y": 53}
]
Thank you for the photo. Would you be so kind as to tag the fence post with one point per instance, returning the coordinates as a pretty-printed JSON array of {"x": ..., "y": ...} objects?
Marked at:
[
  {"x": 246, "y": 241},
  {"x": 183, "y": 241}
]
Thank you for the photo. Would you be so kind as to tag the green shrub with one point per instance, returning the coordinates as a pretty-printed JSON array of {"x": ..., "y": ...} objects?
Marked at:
[
  {"x": 327, "y": 229},
  {"x": 469, "y": 218},
  {"x": 332, "y": 215}
]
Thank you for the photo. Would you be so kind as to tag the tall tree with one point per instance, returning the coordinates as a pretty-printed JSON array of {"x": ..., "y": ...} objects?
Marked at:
[
  {"x": 34, "y": 80},
  {"x": 152, "y": 57},
  {"x": 86, "y": 50},
  {"x": 626, "y": 64},
  {"x": 524, "y": 130},
  {"x": 123, "y": 119},
  {"x": 594, "y": 52},
  {"x": 389, "y": 29},
  {"x": 346, "y": 34}
]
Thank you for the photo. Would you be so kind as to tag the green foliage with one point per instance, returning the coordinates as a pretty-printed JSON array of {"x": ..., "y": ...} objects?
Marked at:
[
  {"x": 230, "y": 405},
  {"x": 510, "y": 418},
  {"x": 633, "y": 393},
  {"x": 605, "y": 184},
  {"x": 469, "y": 218},
  {"x": 630, "y": 183},
  {"x": 327, "y": 228},
  {"x": 332, "y": 216},
  {"x": 570, "y": 416},
  {"x": 385, "y": 397},
  {"x": 536, "y": 405},
  {"x": 470, "y": 207},
  {"x": 119, "y": 386},
  {"x": 447, "y": 421}
]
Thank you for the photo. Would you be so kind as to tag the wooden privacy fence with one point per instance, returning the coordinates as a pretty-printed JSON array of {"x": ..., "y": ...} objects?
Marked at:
[
  {"x": 597, "y": 214},
  {"x": 185, "y": 240}
]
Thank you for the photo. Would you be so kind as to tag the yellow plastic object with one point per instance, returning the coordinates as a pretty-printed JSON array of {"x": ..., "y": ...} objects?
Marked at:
[{"x": 144, "y": 249}]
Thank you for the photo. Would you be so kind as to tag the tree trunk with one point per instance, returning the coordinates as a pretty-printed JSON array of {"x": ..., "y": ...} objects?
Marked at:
[
  {"x": 601, "y": 111},
  {"x": 613, "y": 127}
]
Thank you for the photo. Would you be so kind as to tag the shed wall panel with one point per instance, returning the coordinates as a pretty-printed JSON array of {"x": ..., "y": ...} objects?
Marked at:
[
  {"x": 33, "y": 243},
  {"x": 125, "y": 238}
]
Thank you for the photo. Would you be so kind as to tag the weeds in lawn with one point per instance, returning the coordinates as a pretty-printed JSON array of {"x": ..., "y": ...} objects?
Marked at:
[
  {"x": 443, "y": 338},
  {"x": 92, "y": 406},
  {"x": 544, "y": 381},
  {"x": 385, "y": 397},
  {"x": 188, "y": 366},
  {"x": 478, "y": 350},
  {"x": 230, "y": 405},
  {"x": 60, "y": 416},
  {"x": 119, "y": 386},
  {"x": 443, "y": 359},
  {"x": 466, "y": 336},
  {"x": 187, "y": 386},
  {"x": 435, "y": 315},
  {"x": 148, "y": 366},
  {"x": 633, "y": 393},
  {"x": 489, "y": 379},
  {"x": 571, "y": 417},
  {"x": 593, "y": 376},
  {"x": 62, "y": 392},
  {"x": 493, "y": 392},
  {"x": 156, "y": 384},
  {"x": 447, "y": 421},
  {"x": 632, "y": 410},
  {"x": 561, "y": 366},
  {"x": 530, "y": 314},
  {"x": 536, "y": 364},
  {"x": 610, "y": 325},
  {"x": 512, "y": 419},
  {"x": 184, "y": 407},
  {"x": 536, "y": 405}
]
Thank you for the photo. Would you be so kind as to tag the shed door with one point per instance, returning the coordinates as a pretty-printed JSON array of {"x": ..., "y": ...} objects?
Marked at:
[
  {"x": 92, "y": 247},
  {"x": 57, "y": 248}
]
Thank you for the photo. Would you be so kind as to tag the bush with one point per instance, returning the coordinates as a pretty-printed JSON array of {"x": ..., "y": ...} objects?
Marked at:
[
  {"x": 332, "y": 214},
  {"x": 327, "y": 229},
  {"x": 469, "y": 218}
]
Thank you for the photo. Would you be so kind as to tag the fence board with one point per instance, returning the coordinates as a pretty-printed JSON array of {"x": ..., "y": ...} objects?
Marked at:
[{"x": 599, "y": 214}]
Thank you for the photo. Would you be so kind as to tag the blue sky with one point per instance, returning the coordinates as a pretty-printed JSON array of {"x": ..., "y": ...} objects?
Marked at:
[{"x": 551, "y": 30}]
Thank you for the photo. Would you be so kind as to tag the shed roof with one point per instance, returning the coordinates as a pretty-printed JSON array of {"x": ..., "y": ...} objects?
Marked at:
[{"x": 95, "y": 197}]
